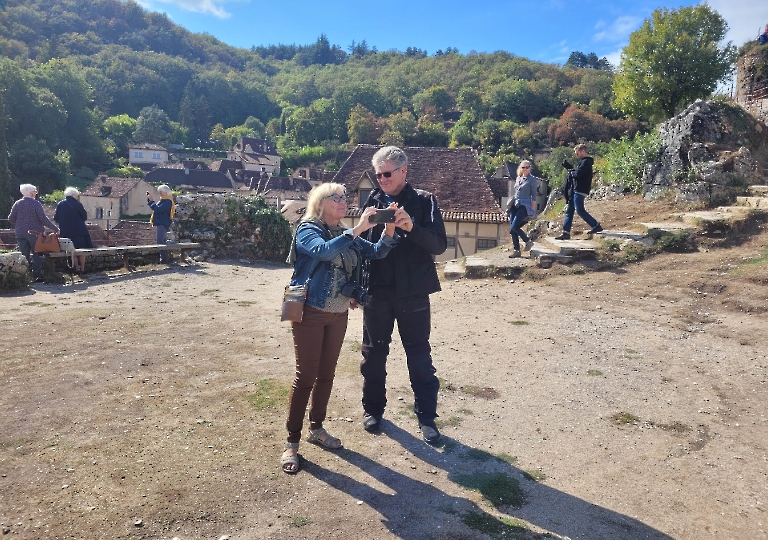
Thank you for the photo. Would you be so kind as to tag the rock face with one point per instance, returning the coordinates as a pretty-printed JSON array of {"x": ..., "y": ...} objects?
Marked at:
[{"x": 707, "y": 155}]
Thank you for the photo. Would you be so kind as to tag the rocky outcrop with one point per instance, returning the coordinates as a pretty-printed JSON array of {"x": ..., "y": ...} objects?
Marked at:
[
  {"x": 14, "y": 272},
  {"x": 707, "y": 156}
]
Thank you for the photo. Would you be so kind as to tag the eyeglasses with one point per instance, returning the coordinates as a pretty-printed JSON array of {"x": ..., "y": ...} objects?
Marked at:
[
  {"x": 338, "y": 198},
  {"x": 387, "y": 174}
]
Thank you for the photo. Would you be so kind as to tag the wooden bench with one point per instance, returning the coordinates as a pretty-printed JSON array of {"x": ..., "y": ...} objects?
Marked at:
[{"x": 125, "y": 251}]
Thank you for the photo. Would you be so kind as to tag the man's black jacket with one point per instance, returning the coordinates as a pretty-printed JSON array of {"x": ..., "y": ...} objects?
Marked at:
[{"x": 414, "y": 254}]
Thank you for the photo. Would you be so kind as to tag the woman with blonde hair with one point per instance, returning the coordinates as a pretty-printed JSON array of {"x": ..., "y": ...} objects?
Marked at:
[
  {"x": 71, "y": 217},
  {"x": 326, "y": 256},
  {"x": 162, "y": 214},
  {"x": 520, "y": 207}
]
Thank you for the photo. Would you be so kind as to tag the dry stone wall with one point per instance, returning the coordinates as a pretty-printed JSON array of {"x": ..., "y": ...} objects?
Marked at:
[{"x": 707, "y": 155}]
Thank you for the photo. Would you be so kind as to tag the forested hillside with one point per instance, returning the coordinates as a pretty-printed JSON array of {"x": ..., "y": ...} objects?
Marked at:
[{"x": 78, "y": 75}]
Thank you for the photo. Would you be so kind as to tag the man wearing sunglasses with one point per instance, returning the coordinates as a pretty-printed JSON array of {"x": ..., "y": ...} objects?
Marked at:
[{"x": 400, "y": 284}]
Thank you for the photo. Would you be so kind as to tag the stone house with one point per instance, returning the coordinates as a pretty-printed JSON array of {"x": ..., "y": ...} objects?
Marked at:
[
  {"x": 147, "y": 156},
  {"x": 474, "y": 221},
  {"x": 255, "y": 155},
  {"x": 107, "y": 199}
]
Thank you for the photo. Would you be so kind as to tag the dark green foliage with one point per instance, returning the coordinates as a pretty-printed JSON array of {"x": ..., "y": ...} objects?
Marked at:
[
  {"x": 251, "y": 217},
  {"x": 626, "y": 158}
]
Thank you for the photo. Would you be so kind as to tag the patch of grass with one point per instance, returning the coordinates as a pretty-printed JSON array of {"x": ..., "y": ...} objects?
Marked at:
[
  {"x": 210, "y": 291},
  {"x": 535, "y": 475},
  {"x": 666, "y": 379},
  {"x": 354, "y": 346},
  {"x": 478, "y": 455},
  {"x": 245, "y": 303},
  {"x": 449, "y": 445},
  {"x": 299, "y": 521},
  {"x": 519, "y": 323},
  {"x": 675, "y": 242},
  {"x": 496, "y": 488},
  {"x": 506, "y": 458},
  {"x": 676, "y": 427},
  {"x": 466, "y": 411},
  {"x": 269, "y": 392},
  {"x": 445, "y": 385},
  {"x": 38, "y": 304},
  {"x": 625, "y": 418},
  {"x": 594, "y": 372},
  {"x": 493, "y": 526},
  {"x": 480, "y": 392},
  {"x": 453, "y": 421}
]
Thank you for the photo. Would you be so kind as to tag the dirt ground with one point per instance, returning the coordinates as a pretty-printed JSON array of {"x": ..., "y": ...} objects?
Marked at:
[{"x": 621, "y": 404}]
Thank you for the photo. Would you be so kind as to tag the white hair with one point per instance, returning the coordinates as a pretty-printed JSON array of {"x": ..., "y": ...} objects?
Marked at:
[
  {"x": 71, "y": 192},
  {"x": 27, "y": 189},
  {"x": 164, "y": 190}
]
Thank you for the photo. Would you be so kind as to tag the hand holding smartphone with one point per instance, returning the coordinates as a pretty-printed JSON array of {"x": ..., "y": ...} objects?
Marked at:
[{"x": 382, "y": 216}]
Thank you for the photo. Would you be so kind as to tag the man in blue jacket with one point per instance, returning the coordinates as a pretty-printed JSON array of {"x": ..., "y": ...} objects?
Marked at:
[
  {"x": 580, "y": 180},
  {"x": 400, "y": 285}
]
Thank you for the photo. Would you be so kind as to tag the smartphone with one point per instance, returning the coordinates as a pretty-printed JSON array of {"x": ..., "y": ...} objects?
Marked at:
[{"x": 382, "y": 216}]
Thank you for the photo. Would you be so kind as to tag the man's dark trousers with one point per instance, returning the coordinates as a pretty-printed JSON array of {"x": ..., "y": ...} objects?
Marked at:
[{"x": 413, "y": 323}]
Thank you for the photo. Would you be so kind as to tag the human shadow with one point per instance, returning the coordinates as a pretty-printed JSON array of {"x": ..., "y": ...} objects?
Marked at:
[{"x": 543, "y": 506}]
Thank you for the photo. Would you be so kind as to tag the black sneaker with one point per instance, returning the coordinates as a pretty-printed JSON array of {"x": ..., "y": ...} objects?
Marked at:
[
  {"x": 563, "y": 236},
  {"x": 430, "y": 433},
  {"x": 371, "y": 423},
  {"x": 596, "y": 229}
]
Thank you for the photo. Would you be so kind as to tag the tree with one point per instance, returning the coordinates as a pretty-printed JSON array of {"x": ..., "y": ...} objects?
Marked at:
[
  {"x": 673, "y": 59},
  {"x": 6, "y": 196},
  {"x": 152, "y": 126}
]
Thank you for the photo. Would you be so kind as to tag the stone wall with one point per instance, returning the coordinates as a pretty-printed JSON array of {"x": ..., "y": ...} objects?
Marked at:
[
  {"x": 707, "y": 155},
  {"x": 231, "y": 226},
  {"x": 14, "y": 272}
]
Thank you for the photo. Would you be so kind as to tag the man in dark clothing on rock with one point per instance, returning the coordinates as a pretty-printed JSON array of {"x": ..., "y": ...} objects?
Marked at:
[
  {"x": 581, "y": 184},
  {"x": 400, "y": 285}
]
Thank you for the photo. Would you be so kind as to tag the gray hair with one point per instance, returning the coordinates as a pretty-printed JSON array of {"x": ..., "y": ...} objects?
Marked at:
[
  {"x": 393, "y": 154},
  {"x": 164, "y": 190},
  {"x": 27, "y": 189},
  {"x": 71, "y": 192}
]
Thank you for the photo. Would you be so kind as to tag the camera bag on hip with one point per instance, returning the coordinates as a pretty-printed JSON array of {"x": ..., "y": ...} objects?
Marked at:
[{"x": 294, "y": 297}]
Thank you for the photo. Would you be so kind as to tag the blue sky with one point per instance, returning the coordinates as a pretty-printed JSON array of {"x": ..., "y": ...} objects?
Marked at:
[{"x": 543, "y": 30}]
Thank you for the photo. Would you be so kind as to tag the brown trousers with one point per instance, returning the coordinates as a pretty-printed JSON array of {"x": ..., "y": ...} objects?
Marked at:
[{"x": 317, "y": 341}]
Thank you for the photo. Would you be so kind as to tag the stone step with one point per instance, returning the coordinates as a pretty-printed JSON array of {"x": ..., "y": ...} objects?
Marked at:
[
  {"x": 753, "y": 202},
  {"x": 570, "y": 248},
  {"x": 453, "y": 270},
  {"x": 728, "y": 214},
  {"x": 667, "y": 226},
  {"x": 758, "y": 189}
]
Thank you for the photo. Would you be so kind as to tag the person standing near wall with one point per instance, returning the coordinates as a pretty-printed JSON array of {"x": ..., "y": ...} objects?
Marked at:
[
  {"x": 400, "y": 284},
  {"x": 162, "y": 214},
  {"x": 71, "y": 217},
  {"x": 28, "y": 217}
]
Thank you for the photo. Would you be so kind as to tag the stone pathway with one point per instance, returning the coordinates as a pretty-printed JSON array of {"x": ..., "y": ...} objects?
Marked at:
[{"x": 548, "y": 251}]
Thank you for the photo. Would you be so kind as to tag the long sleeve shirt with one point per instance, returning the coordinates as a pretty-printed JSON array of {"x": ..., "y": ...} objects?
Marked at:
[{"x": 27, "y": 214}]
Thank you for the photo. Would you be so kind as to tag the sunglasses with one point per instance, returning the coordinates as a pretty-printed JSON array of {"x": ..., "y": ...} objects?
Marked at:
[
  {"x": 525, "y": 167},
  {"x": 387, "y": 174},
  {"x": 337, "y": 198}
]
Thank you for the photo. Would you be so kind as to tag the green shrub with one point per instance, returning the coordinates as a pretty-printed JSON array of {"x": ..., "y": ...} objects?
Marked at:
[{"x": 625, "y": 160}]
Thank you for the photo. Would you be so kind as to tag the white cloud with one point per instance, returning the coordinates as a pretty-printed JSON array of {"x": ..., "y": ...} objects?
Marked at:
[
  {"x": 214, "y": 7},
  {"x": 745, "y": 19},
  {"x": 618, "y": 30}
]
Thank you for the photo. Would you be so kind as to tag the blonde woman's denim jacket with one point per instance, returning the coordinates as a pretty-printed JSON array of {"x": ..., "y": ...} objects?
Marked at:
[{"x": 316, "y": 249}]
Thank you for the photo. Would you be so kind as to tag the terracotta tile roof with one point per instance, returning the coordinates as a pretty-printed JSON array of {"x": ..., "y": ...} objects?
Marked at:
[
  {"x": 506, "y": 170},
  {"x": 225, "y": 165},
  {"x": 294, "y": 210},
  {"x": 110, "y": 187},
  {"x": 453, "y": 175},
  {"x": 499, "y": 187},
  {"x": 282, "y": 183},
  {"x": 255, "y": 146}
]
